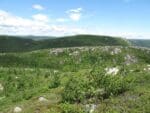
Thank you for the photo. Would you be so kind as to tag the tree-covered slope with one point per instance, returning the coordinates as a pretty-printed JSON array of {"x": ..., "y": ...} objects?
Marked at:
[
  {"x": 14, "y": 44},
  {"x": 20, "y": 44},
  {"x": 86, "y": 40}
]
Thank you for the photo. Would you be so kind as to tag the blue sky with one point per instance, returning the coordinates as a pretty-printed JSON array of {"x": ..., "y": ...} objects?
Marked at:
[{"x": 125, "y": 18}]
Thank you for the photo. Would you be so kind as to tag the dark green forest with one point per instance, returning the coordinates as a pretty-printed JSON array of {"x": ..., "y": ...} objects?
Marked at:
[{"x": 22, "y": 44}]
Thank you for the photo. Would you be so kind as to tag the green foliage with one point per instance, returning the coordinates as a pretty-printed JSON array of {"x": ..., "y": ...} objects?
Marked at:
[
  {"x": 74, "y": 90},
  {"x": 77, "y": 79},
  {"x": 55, "y": 81},
  {"x": 68, "y": 108},
  {"x": 20, "y": 44},
  {"x": 96, "y": 85},
  {"x": 116, "y": 85}
]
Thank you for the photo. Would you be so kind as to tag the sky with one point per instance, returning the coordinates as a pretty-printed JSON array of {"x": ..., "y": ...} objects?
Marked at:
[{"x": 122, "y": 18}]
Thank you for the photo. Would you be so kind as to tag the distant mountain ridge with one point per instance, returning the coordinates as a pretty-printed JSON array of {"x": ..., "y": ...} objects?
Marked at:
[
  {"x": 28, "y": 43},
  {"x": 140, "y": 42}
]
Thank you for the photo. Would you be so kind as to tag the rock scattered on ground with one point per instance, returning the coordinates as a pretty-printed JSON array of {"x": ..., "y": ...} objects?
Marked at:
[
  {"x": 56, "y": 71},
  {"x": 1, "y": 87},
  {"x": 129, "y": 59},
  {"x": 147, "y": 68},
  {"x": 112, "y": 71},
  {"x": 42, "y": 99},
  {"x": 17, "y": 109},
  {"x": 90, "y": 108},
  {"x": 75, "y": 53},
  {"x": 116, "y": 51},
  {"x": 57, "y": 51}
]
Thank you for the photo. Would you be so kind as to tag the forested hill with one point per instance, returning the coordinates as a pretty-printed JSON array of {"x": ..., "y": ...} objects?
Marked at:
[{"x": 20, "y": 44}]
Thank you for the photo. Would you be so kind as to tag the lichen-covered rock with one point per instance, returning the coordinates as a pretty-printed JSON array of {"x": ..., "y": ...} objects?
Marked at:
[
  {"x": 57, "y": 51},
  {"x": 90, "y": 108},
  {"x": 17, "y": 109},
  {"x": 115, "y": 51},
  {"x": 75, "y": 53},
  {"x": 112, "y": 71},
  {"x": 42, "y": 99},
  {"x": 129, "y": 59},
  {"x": 147, "y": 68},
  {"x": 1, "y": 87},
  {"x": 56, "y": 71}
]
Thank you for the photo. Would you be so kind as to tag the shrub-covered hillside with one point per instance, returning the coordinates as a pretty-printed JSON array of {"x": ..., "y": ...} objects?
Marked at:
[
  {"x": 20, "y": 44},
  {"x": 101, "y": 79}
]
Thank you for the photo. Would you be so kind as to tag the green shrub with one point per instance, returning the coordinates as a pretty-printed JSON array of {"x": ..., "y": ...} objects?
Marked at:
[
  {"x": 115, "y": 85},
  {"x": 97, "y": 85},
  {"x": 68, "y": 108},
  {"x": 55, "y": 81},
  {"x": 74, "y": 90},
  {"x": 112, "y": 85}
]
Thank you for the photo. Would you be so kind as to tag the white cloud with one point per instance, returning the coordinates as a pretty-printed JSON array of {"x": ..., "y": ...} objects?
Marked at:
[
  {"x": 14, "y": 25},
  {"x": 75, "y": 14},
  {"x": 40, "y": 17},
  {"x": 61, "y": 20},
  {"x": 78, "y": 10},
  {"x": 38, "y": 7}
]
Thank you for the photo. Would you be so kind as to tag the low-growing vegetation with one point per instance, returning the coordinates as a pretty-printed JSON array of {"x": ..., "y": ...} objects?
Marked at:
[{"x": 76, "y": 80}]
